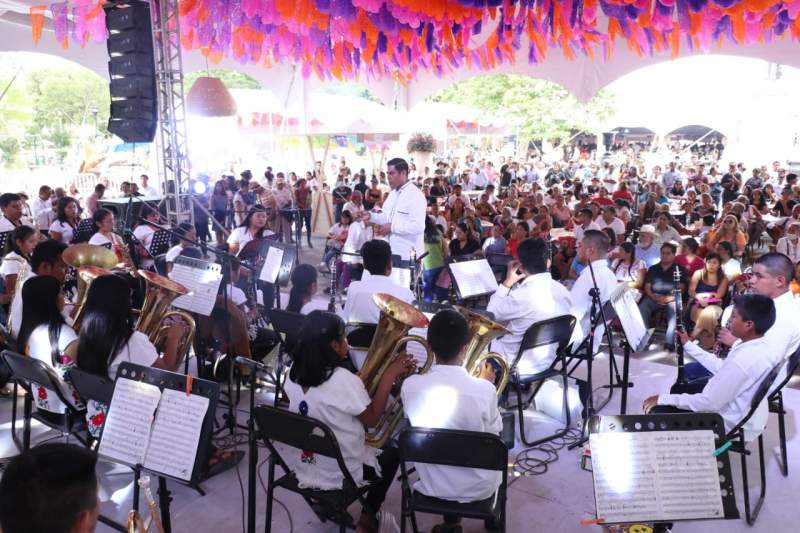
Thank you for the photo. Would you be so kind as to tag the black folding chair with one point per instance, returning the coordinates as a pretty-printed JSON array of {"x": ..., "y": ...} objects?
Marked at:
[
  {"x": 737, "y": 437},
  {"x": 311, "y": 436},
  {"x": 27, "y": 371},
  {"x": 450, "y": 447},
  {"x": 775, "y": 402},
  {"x": 558, "y": 331},
  {"x": 360, "y": 335}
]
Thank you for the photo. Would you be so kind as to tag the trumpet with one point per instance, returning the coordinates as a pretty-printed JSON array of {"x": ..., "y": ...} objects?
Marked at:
[
  {"x": 391, "y": 335},
  {"x": 481, "y": 332}
]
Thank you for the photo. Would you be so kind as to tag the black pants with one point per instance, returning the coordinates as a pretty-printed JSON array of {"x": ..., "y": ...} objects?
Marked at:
[
  {"x": 389, "y": 460},
  {"x": 303, "y": 219}
]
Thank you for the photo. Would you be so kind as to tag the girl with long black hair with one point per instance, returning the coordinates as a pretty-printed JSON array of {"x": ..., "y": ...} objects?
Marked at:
[
  {"x": 319, "y": 386},
  {"x": 254, "y": 226},
  {"x": 67, "y": 215},
  {"x": 304, "y": 287},
  {"x": 44, "y": 335},
  {"x": 19, "y": 246}
]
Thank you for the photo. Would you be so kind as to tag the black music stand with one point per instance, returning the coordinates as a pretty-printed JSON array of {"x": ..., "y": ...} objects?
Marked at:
[
  {"x": 160, "y": 243},
  {"x": 172, "y": 380},
  {"x": 683, "y": 459},
  {"x": 290, "y": 257},
  {"x": 4, "y": 236},
  {"x": 479, "y": 271}
]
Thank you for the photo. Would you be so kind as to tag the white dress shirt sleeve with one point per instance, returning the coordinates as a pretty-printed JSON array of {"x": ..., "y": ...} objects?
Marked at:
[
  {"x": 410, "y": 213},
  {"x": 720, "y": 390},
  {"x": 503, "y": 305},
  {"x": 710, "y": 362}
]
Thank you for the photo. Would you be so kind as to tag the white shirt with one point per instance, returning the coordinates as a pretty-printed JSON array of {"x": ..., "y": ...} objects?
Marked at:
[
  {"x": 789, "y": 248},
  {"x": 447, "y": 397},
  {"x": 239, "y": 235},
  {"x": 337, "y": 403},
  {"x": 318, "y": 305},
  {"x": 42, "y": 212},
  {"x": 669, "y": 234},
  {"x": 784, "y": 335},
  {"x": 144, "y": 234},
  {"x": 39, "y": 348},
  {"x": 616, "y": 224},
  {"x": 732, "y": 267},
  {"x": 536, "y": 298},
  {"x": 357, "y": 234},
  {"x": 173, "y": 253},
  {"x": 582, "y": 302},
  {"x": 149, "y": 192},
  {"x": 99, "y": 239},
  {"x": 15, "y": 311},
  {"x": 479, "y": 180},
  {"x": 405, "y": 209},
  {"x": 64, "y": 229},
  {"x": 359, "y": 307},
  {"x": 579, "y": 229},
  {"x": 353, "y": 208},
  {"x": 12, "y": 263},
  {"x": 138, "y": 350},
  {"x": 731, "y": 389},
  {"x": 6, "y": 225}
]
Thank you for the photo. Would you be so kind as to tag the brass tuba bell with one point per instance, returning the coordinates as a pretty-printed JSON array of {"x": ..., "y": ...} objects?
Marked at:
[
  {"x": 391, "y": 335},
  {"x": 91, "y": 261},
  {"x": 481, "y": 332},
  {"x": 160, "y": 292}
]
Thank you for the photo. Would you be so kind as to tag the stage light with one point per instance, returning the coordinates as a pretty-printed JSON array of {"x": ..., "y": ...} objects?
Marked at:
[{"x": 199, "y": 187}]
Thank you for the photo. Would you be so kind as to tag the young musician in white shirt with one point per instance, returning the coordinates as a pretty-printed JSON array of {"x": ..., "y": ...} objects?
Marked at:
[
  {"x": 592, "y": 248},
  {"x": 448, "y": 397},
  {"x": 104, "y": 229},
  {"x": 528, "y": 295},
  {"x": 20, "y": 245},
  {"x": 189, "y": 234},
  {"x": 730, "y": 391},
  {"x": 67, "y": 218},
  {"x": 304, "y": 288},
  {"x": 144, "y": 233},
  {"x": 360, "y": 308},
  {"x": 403, "y": 215},
  {"x": 320, "y": 387}
]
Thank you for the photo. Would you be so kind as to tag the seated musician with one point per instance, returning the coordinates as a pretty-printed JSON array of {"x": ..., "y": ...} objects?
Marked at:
[
  {"x": 254, "y": 226},
  {"x": 304, "y": 288},
  {"x": 448, "y": 397},
  {"x": 528, "y": 295},
  {"x": 104, "y": 235},
  {"x": 52, "y": 487},
  {"x": 45, "y": 335},
  {"x": 730, "y": 391},
  {"x": 108, "y": 338},
  {"x": 188, "y": 235},
  {"x": 45, "y": 261},
  {"x": 321, "y": 388},
  {"x": 19, "y": 246},
  {"x": 359, "y": 308},
  {"x": 144, "y": 234}
]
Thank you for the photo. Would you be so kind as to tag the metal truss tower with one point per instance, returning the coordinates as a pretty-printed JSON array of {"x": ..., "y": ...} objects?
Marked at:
[{"x": 171, "y": 145}]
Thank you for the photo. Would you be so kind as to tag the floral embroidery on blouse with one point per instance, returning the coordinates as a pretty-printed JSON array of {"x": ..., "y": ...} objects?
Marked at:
[{"x": 47, "y": 399}]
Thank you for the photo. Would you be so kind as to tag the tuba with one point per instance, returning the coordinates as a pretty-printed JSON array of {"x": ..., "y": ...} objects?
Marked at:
[
  {"x": 481, "y": 332},
  {"x": 391, "y": 335},
  {"x": 91, "y": 261},
  {"x": 159, "y": 295}
]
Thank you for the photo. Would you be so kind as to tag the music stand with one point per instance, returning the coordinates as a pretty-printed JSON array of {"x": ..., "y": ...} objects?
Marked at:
[
  {"x": 161, "y": 243},
  {"x": 185, "y": 384},
  {"x": 472, "y": 276},
  {"x": 661, "y": 468},
  {"x": 4, "y": 236},
  {"x": 280, "y": 275}
]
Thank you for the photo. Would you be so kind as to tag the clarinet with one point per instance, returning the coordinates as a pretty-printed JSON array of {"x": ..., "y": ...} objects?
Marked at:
[
  {"x": 721, "y": 350},
  {"x": 332, "y": 302},
  {"x": 676, "y": 292}
]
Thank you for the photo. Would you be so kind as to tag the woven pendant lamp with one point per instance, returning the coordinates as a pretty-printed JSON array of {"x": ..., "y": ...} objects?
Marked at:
[{"x": 209, "y": 97}]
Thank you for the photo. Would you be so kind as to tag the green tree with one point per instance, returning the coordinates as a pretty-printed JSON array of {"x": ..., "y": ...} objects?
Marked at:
[
  {"x": 231, "y": 78},
  {"x": 538, "y": 109}
]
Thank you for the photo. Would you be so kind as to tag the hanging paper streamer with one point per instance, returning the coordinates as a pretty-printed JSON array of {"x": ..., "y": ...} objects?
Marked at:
[
  {"x": 397, "y": 39},
  {"x": 37, "y": 22}
]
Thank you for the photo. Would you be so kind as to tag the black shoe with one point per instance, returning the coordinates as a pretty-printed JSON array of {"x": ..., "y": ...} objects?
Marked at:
[{"x": 310, "y": 245}]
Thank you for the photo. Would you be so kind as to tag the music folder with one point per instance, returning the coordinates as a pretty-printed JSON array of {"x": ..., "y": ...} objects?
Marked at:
[{"x": 660, "y": 468}]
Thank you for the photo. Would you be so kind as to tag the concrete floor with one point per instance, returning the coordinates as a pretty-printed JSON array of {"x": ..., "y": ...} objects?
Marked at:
[{"x": 555, "y": 501}]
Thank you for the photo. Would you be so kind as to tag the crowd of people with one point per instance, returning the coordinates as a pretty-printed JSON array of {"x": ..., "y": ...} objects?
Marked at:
[{"x": 724, "y": 240}]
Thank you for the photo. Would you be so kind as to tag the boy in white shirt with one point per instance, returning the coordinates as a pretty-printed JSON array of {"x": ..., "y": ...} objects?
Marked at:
[{"x": 448, "y": 397}]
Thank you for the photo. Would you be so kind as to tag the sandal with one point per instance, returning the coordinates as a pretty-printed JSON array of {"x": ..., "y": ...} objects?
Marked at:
[{"x": 222, "y": 460}]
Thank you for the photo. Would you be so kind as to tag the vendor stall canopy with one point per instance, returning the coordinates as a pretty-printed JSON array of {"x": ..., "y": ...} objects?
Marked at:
[{"x": 427, "y": 44}]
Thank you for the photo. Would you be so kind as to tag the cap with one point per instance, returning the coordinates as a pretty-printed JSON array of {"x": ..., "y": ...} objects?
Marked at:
[{"x": 647, "y": 228}]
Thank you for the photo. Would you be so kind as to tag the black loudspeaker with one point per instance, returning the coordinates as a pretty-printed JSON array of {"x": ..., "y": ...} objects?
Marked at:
[
  {"x": 608, "y": 139},
  {"x": 131, "y": 70}
]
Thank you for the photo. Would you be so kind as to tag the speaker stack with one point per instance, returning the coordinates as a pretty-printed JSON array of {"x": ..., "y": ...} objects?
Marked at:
[{"x": 131, "y": 69}]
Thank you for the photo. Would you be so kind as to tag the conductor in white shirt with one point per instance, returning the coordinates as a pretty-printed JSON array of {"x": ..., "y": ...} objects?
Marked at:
[
  {"x": 403, "y": 217},
  {"x": 448, "y": 397},
  {"x": 360, "y": 308},
  {"x": 592, "y": 249},
  {"x": 536, "y": 297}
]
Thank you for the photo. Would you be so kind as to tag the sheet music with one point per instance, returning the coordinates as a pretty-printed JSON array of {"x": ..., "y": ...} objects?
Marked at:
[
  {"x": 127, "y": 428},
  {"x": 655, "y": 476},
  {"x": 416, "y": 349},
  {"x": 272, "y": 265},
  {"x": 202, "y": 278},
  {"x": 474, "y": 277},
  {"x": 176, "y": 434},
  {"x": 401, "y": 276},
  {"x": 630, "y": 317}
]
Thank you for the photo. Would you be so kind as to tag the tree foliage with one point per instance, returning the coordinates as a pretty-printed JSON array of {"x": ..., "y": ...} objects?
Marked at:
[
  {"x": 231, "y": 78},
  {"x": 538, "y": 109}
]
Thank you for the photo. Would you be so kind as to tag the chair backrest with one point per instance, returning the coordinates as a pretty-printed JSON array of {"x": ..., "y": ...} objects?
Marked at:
[
  {"x": 758, "y": 397},
  {"x": 92, "y": 386},
  {"x": 27, "y": 370},
  {"x": 298, "y": 431},
  {"x": 287, "y": 323},
  {"x": 791, "y": 367},
  {"x": 556, "y": 330},
  {"x": 452, "y": 447}
]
